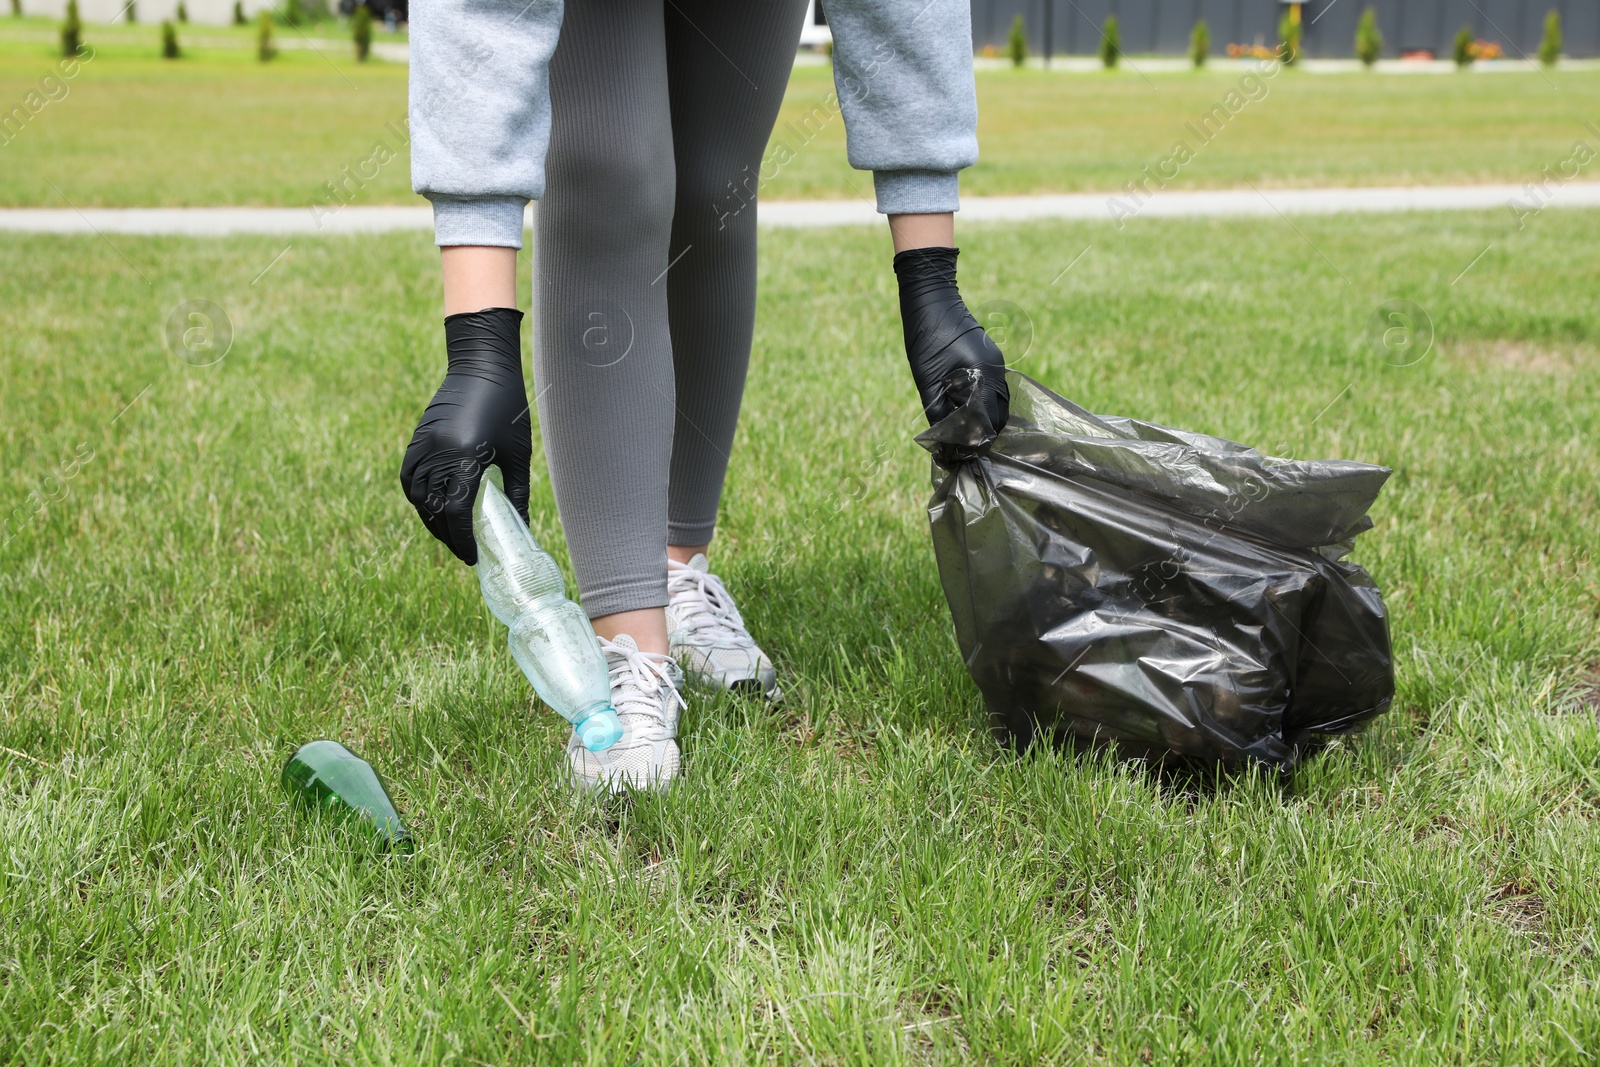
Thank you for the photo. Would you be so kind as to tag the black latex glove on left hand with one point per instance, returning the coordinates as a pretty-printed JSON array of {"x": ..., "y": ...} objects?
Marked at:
[
  {"x": 478, "y": 417},
  {"x": 954, "y": 362}
]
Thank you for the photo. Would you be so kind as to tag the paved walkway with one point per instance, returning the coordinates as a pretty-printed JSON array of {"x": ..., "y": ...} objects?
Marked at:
[{"x": 802, "y": 214}]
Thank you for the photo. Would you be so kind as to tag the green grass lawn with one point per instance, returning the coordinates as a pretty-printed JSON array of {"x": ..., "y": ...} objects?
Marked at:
[
  {"x": 216, "y": 127},
  {"x": 222, "y": 566},
  {"x": 220, "y": 128}
]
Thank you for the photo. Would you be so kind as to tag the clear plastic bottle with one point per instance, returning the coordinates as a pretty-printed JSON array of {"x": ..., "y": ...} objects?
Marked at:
[{"x": 550, "y": 638}]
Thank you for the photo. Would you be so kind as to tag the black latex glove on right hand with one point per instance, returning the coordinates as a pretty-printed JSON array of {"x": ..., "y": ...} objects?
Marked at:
[
  {"x": 478, "y": 417},
  {"x": 954, "y": 362}
]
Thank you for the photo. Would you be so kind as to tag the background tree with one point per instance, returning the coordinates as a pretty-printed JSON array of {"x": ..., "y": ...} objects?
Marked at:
[
  {"x": 71, "y": 31},
  {"x": 1199, "y": 44},
  {"x": 1550, "y": 43},
  {"x": 1017, "y": 43},
  {"x": 1288, "y": 39},
  {"x": 169, "y": 41},
  {"x": 266, "y": 48},
  {"x": 361, "y": 31},
  {"x": 1110, "y": 43},
  {"x": 1462, "y": 48},
  {"x": 1369, "y": 42}
]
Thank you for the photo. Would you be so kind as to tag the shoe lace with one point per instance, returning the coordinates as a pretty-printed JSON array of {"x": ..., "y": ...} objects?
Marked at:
[
  {"x": 637, "y": 682},
  {"x": 706, "y": 608}
]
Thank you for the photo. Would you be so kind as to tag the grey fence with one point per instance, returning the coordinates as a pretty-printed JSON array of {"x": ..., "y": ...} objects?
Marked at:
[{"x": 1070, "y": 27}]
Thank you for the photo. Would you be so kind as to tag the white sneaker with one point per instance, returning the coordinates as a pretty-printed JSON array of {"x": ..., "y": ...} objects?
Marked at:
[
  {"x": 707, "y": 636},
  {"x": 644, "y": 692}
]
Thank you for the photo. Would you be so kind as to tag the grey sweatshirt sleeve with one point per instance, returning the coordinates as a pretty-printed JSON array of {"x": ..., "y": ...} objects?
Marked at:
[
  {"x": 479, "y": 113},
  {"x": 903, "y": 72}
]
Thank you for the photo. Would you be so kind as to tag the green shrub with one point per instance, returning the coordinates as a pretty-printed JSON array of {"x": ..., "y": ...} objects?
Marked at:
[
  {"x": 827, "y": 50},
  {"x": 266, "y": 48},
  {"x": 183, "y": 13},
  {"x": 131, "y": 12},
  {"x": 1369, "y": 42},
  {"x": 1550, "y": 43},
  {"x": 1199, "y": 44},
  {"x": 1462, "y": 48},
  {"x": 238, "y": 13},
  {"x": 361, "y": 31},
  {"x": 1288, "y": 39},
  {"x": 1017, "y": 43},
  {"x": 169, "y": 42},
  {"x": 16, "y": 8},
  {"x": 71, "y": 31},
  {"x": 294, "y": 13},
  {"x": 1110, "y": 43}
]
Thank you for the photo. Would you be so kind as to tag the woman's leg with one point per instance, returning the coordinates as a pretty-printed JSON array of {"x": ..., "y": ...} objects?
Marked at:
[
  {"x": 728, "y": 64},
  {"x": 603, "y": 365}
]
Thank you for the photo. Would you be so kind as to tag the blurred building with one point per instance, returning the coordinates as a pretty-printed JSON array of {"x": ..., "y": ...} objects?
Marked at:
[
  {"x": 1072, "y": 27},
  {"x": 814, "y": 31}
]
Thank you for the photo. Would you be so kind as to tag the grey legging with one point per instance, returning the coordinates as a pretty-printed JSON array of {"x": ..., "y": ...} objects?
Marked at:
[{"x": 645, "y": 271}]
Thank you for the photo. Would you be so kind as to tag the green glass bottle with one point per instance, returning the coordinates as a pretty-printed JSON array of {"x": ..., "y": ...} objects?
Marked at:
[{"x": 327, "y": 776}]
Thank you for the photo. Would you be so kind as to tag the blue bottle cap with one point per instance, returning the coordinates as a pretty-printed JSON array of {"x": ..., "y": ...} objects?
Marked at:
[{"x": 599, "y": 731}]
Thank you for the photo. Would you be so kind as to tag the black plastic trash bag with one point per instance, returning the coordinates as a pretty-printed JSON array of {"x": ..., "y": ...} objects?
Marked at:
[{"x": 1179, "y": 594}]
